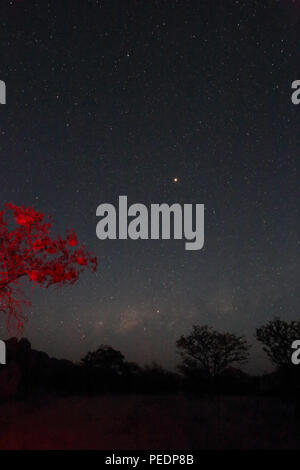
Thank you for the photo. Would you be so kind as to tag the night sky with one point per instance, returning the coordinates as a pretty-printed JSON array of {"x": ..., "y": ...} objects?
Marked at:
[{"x": 109, "y": 98}]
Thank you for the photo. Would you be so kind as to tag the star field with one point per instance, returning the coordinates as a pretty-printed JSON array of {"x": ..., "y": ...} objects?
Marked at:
[{"x": 178, "y": 101}]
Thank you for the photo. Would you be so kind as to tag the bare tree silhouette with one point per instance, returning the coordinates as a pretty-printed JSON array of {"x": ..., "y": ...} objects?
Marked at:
[{"x": 210, "y": 352}]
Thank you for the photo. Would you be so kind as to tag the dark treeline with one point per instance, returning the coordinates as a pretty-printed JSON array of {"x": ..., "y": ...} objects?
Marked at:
[{"x": 209, "y": 364}]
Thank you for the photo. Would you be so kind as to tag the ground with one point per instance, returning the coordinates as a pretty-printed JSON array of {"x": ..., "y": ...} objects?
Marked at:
[{"x": 149, "y": 422}]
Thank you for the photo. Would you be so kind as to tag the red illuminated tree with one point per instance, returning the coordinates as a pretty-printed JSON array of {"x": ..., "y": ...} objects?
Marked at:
[{"x": 28, "y": 250}]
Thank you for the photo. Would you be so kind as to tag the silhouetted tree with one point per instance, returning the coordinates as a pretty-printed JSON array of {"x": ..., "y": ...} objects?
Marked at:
[
  {"x": 206, "y": 352},
  {"x": 105, "y": 358},
  {"x": 277, "y": 337}
]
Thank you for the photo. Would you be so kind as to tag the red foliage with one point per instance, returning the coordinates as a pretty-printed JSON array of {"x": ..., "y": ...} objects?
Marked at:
[{"x": 27, "y": 249}]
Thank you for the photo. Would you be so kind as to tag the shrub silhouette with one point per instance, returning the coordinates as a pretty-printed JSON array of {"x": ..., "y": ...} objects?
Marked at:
[{"x": 155, "y": 379}]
